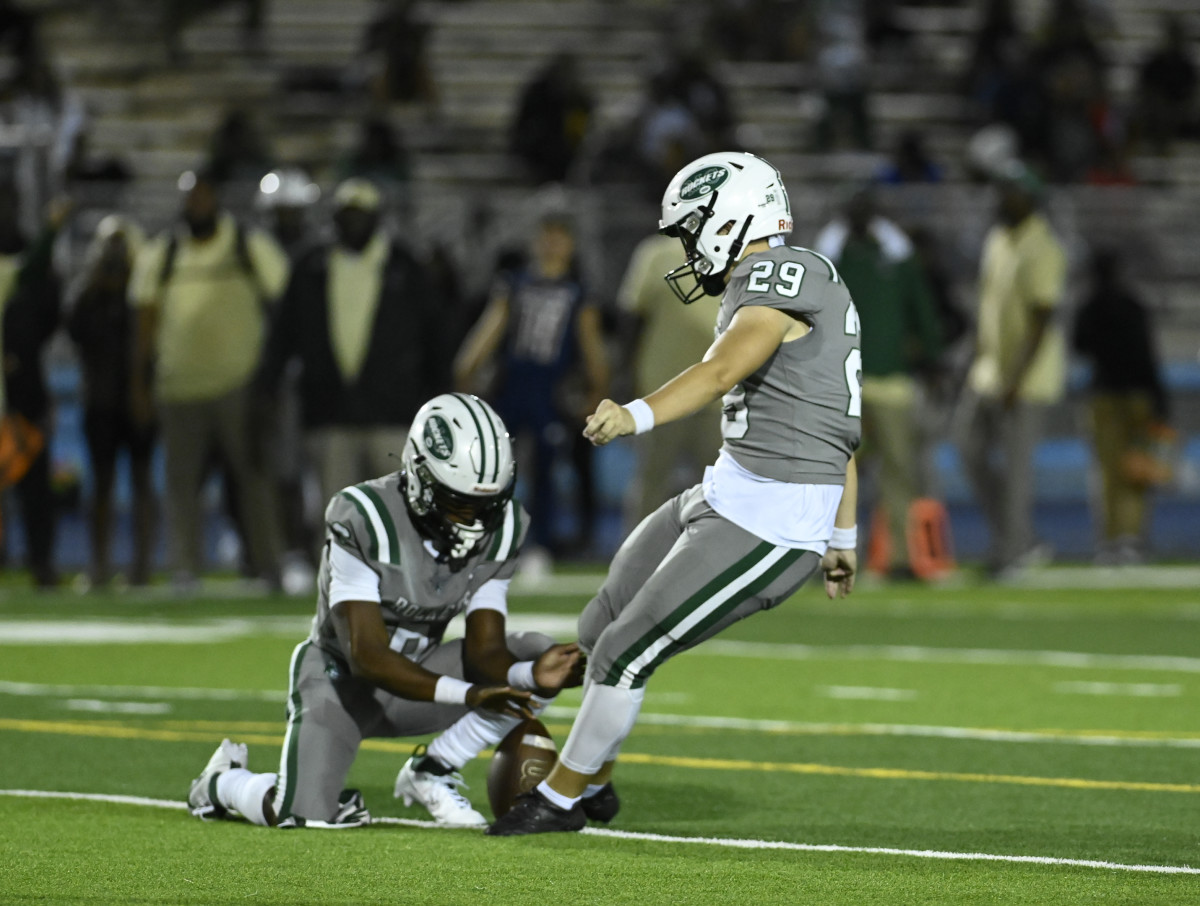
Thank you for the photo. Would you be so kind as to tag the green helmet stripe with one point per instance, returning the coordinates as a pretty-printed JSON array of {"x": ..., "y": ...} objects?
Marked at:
[{"x": 478, "y": 433}]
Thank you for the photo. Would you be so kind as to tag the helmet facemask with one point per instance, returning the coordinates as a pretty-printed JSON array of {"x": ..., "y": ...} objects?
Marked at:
[
  {"x": 459, "y": 474},
  {"x": 456, "y": 523},
  {"x": 699, "y": 268}
]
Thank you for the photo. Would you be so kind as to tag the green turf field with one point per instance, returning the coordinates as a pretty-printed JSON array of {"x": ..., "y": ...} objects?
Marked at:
[{"x": 910, "y": 745}]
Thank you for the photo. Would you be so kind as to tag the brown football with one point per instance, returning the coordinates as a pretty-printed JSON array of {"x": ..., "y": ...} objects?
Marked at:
[{"x": 522, "y": 760}]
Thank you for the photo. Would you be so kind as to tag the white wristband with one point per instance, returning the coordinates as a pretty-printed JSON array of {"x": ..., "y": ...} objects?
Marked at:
[
  {"x": 450, "y": 691},
  {"x": 643, "y": 415},
  {"x": 844, "y": 539},
  {"x": 520, "y": 676}
]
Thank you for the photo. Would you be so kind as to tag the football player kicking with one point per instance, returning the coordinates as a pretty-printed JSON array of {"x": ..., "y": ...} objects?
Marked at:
[
  {"x": 780, "y": 499},
  {"x": 404, "y": 554}
]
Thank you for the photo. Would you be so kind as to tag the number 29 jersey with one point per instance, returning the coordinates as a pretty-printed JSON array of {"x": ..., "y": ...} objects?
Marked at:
[{"x": 798, "y": 417}]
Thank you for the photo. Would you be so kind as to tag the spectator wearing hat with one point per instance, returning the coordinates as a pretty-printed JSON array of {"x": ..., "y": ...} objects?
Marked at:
[
  {"x": 202, "y": 291},
  {"x": 100, "y": 325},
  {"x": 360, "y": 319},
  {"x": 1018, "y": 370}
]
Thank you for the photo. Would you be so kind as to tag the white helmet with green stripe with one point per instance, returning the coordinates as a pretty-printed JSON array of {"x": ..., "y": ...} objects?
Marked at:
[{"x": 459, "y": 473}]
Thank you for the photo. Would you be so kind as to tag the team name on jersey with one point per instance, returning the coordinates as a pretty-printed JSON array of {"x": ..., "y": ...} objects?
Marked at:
[{"x": 407, "y": 610}]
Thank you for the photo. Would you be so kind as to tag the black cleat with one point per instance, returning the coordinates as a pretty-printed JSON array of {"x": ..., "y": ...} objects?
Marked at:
[
  {"x": 533, "y": 814},
  {"x": 603, "y": 805}
]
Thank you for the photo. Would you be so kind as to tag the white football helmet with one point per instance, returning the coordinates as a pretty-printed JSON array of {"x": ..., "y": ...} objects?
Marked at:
[
  {"x": 715, "y": 206},
  {"x": 458, "y": 474}
]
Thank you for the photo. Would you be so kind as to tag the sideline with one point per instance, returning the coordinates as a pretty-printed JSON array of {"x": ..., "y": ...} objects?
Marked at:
[{"x": 702, "y": 841}]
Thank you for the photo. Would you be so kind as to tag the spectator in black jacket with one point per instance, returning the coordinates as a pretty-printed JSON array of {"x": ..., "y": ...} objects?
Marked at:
[
  {"x": 29, "y": 296},
  {"x": 359, "y": 318},
  {"x": 1129, "y": 404},
  {"x": 101, "y": 324}
]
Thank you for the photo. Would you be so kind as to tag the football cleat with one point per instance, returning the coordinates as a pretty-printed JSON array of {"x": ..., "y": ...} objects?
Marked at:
[
  {"x": 602, "y": 805},
  {"x": 352, "y": 812},
  {"x": 426, "y": 780},
  {"x": 532, "y": 813},
  {"x": 202, "y": 797}
]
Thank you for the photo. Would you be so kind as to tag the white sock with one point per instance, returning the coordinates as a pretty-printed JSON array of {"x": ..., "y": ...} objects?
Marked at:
[
  {"x": 475, "y": 731},
  {"x": 592, "y": 789},
  {"x": 566, "y": 803},
  {"x": 604, "y": 720},
  {"x": 243, "y": 791}
]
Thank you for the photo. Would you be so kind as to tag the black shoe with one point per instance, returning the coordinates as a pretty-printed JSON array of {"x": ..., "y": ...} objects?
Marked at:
[
  {"x": 533, "y": 814},
  {"x": 603, "y": 805}
]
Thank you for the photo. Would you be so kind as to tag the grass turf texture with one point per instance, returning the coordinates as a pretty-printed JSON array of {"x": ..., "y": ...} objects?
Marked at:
[{"x": 831, "y": 774}]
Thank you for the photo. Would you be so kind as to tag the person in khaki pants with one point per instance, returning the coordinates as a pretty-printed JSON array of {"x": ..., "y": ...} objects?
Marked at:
[
  {"x": 1129, "y": 403},
  {"x": 360, "y": 320},
  {"x": 670, "y": 337},
  {"x": 200, "y": 292}
]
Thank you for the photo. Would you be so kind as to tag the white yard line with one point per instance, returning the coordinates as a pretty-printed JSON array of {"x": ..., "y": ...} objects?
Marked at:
[
  {"x": 921, "y": 654},
  {"x": 560, "y": 712},
  {"x": 1132, "y": 690},
  {"x": 867, "y": 693},
  {"x": 730, "y": 842}
]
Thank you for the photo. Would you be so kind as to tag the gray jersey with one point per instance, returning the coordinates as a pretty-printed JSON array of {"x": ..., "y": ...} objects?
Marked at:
[
  {"x": 797, "y": 418},
  {"x": 419, "y": 595}
]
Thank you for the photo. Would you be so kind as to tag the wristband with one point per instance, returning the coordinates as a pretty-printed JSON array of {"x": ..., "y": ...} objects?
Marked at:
[
  {"x": 520, "y": 676},
  {"x": 643, "y": 415},
  {"x": 450, "y": 691},
  {"x": 844, "y": 539}
]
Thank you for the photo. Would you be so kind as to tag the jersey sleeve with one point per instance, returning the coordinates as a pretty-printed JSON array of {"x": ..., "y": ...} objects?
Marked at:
[
  {"x": 502, "y": 548},
  {"x": 346, "y": 527}
]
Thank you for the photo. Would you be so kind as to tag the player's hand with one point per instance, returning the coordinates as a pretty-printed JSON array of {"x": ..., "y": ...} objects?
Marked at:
[
  {"x": 609, "y": 421},
  {"x": 559, "y": 667},
  {"x": 839, "y": 567},
  {"x": 503, "y": 699}
]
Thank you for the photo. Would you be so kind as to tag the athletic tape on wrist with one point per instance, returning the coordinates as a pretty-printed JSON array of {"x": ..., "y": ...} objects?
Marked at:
[
  {"x": 643, "y": 415},
  {"x": 520, "y": 676},
  {"x": 844, "y": 539},
  {"x": 450, "y": 691}
]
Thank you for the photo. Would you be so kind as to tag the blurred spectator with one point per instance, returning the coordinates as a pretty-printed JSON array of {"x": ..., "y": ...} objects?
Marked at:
[
  {"x": 396, "y": 42},
  {"x": 359, "y": 318},
  {"x": 755, "y": 30},
  {"x": 900, "y": 339},
  {"x": 177, "y": 14},
  {"x": 843, "y": 70},
  {"x": 202, "y": 291},
  {"x": 1166, "y": 90},
  {"x": 541, "y": 326},
  {"x": 285, "y": 197},
  {"x": 1018, "y": 369},
  {"x": 379, "y": 156},
  {"x": 29, "y": 297},
  {"x": 238, "y": 152},
  {"x": 101, "y": 324},
  {"x": 668, "y": 338},
  {"x": 1072, "y": 125},
  {"x": 686, "y": 113},
  {"x": 1113, "y": 329},
  {"x": 554, "y": 113},
  {"x": 910, "y": 162},
  {"x": 1001, "y": 77},
  {"x": 668, "y": 134}
]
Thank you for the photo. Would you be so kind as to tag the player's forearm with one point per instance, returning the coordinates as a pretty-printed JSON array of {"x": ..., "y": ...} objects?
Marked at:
[
  {"x": 847, "y": 512},
  {"x": 393, "y": 673},
  {"x": 690, "y": 391}
]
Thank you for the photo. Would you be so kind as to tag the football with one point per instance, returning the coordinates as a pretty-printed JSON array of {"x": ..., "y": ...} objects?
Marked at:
[{"x": 522, "y": 760}]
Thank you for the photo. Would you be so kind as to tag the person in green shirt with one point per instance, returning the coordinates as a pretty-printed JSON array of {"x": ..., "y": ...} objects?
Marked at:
[{"x": 901, "y": 337}]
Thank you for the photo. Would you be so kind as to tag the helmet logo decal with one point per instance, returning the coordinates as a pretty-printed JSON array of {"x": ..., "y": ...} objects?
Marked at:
[
  {"x": 438, "y": 439},
  {"x": 701, "y": 183}
]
